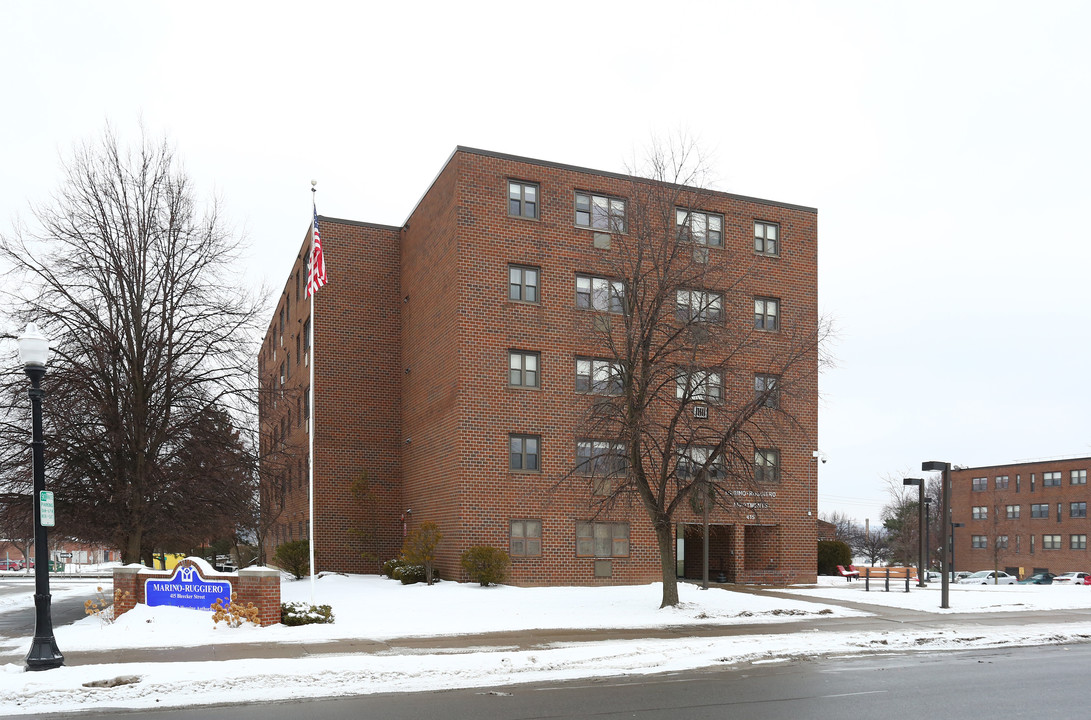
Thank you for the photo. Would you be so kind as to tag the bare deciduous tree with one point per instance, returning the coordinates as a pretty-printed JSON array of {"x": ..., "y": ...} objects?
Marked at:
[
  {"x": 677, "y": 329},
  {"x": 151, "y": 377}
]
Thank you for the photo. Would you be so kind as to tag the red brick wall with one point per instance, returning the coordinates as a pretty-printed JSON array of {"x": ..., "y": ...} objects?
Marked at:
[{"x": 1025, "y": 488}]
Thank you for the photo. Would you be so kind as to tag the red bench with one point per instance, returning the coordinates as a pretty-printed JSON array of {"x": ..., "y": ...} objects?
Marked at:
[{"x": 849, "y": 574}]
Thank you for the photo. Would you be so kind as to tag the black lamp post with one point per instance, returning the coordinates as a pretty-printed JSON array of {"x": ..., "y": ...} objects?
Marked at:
[
  {"x": 927, "y": 533},
  {"x": 945, "y": 515},
  {"x": 43, "y": 655},
  {"x": 908, "y": 482}
]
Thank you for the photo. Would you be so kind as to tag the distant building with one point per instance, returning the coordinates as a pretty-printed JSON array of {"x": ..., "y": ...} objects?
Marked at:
[
  {"x": 1022, "y": 518},
  {"x": 448, "y": 369}
]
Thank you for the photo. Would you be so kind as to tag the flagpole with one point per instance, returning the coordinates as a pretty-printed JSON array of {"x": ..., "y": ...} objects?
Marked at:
[{"x": 310, "y": 429}]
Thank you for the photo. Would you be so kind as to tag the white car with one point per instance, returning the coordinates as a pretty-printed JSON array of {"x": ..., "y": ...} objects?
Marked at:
[
  {"x": 988, "y": 577},
  {"x": 1070, "y": 578}
]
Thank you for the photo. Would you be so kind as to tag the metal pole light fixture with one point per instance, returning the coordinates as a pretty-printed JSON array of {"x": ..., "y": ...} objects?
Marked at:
[
  {"x": 920, "y": 527},
  {"x": 43, "y": 655},
  {"x": 945, "y": 515},
  {"x": 927, "y": 532}
]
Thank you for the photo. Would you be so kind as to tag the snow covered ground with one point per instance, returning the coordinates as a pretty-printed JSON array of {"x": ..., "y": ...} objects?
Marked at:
[{"x": 375, "y": 608}]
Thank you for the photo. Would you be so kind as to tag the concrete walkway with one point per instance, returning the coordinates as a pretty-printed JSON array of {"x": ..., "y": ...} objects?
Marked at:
[{"x": 880, "y": 619}]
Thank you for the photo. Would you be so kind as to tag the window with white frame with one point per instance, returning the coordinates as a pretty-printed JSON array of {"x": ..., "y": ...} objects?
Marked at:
[
  {"x": 699, "y": 306},
  {"x": 700, "y": 385},
  {"x": 766, "y": 238},
  {"x": 700, "y": 227},
  {"x": 602, "y": 539},
  {"x": 599, "y": 293},
  {"x": 600, "y": 212},
  {"x": 598, "y": 376},
  {"x": 980, "y": 512}
]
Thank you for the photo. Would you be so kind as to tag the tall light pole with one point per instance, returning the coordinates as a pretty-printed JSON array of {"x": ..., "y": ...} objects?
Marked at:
[
  {"x": 927, "y": 539},
  {"x": 945, "y": 518},
  {"x": 920, "y": 526},
  {"x": 43, "y": 655}
]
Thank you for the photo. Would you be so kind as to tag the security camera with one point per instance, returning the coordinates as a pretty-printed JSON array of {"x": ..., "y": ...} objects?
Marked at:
[{"x": 824, "y": 459}]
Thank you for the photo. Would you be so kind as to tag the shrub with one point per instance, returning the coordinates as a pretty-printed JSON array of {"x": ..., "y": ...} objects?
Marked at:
[
  {"x": 486, "y": 564},
  {"x": 832, "y": 553},
  {"x": 300, "y": 613},
  {"x": 409, "y": 574},
  {"x": 420, "y": 548},
  {"x": 235, "y": 614},
  {"x": 294, "y": 557},
  {"x": 101, "y": 608},
  {"x": 391, "y": 566}
]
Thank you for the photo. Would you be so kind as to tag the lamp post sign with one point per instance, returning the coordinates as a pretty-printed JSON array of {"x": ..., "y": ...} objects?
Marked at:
[
  {"x": 46, "y": 512},
  {"x": 186, "y": 588}
]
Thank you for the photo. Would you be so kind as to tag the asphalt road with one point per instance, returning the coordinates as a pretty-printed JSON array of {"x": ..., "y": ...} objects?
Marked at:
[
  {"x": 1036, "y": 682},
  {"x": 20, "y": 623}
]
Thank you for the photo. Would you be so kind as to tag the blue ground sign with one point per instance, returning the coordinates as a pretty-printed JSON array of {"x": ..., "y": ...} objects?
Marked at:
[{"x": 186, "y": 588}]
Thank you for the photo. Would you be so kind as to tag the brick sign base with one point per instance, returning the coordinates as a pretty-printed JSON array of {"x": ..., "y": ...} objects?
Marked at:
[{"x": 260, "y": 586}]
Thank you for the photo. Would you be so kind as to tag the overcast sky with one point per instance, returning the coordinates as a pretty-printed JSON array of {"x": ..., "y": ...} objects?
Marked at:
[{"x": 945, "y": 145}]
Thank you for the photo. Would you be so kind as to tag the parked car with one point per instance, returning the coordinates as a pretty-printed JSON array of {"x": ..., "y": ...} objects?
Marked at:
[
  {"x": 955, "y": 577},
  {"x": 1038, "y": 579},
  {"x": 10, "y": 565},
  {"x": 931, "y": 576},
  {"x": 1070, "y": 578},
  {"x": 988, "y": 577}
]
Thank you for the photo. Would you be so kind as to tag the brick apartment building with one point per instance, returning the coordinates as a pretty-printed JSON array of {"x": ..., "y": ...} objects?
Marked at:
[
  {"x": 452, "y": 367},
  {"x": 1022, "y": 518}
]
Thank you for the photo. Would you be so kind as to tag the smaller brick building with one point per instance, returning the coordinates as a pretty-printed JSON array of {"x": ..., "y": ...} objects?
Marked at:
[{"x": 1023, "y": 517}]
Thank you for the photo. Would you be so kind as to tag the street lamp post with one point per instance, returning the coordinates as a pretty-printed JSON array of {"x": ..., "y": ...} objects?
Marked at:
[
  {"x": 945, "y": 514},
  {"x": 927, "y": 538},
  {"x": 953, "y": 526},
  {"x": 43, "y": 655},
  {"x": 908, "y": 482}
]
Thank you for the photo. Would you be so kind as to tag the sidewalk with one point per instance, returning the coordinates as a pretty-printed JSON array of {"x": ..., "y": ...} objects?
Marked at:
[{"x": 880, "y": 619}]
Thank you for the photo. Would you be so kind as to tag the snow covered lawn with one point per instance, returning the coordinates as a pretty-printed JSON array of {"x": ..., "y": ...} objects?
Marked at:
[{"x": 375, "y": 608}]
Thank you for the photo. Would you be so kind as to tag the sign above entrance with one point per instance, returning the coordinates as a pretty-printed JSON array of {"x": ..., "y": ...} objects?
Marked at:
[{"x": 186, "y": 588}]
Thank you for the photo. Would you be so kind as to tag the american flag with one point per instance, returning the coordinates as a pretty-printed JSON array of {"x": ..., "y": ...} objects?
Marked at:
[{"x": 316, "y": 278}]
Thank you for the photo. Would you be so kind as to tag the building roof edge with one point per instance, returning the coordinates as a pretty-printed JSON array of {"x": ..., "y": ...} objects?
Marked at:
[{"x": 618, "y": 176}]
